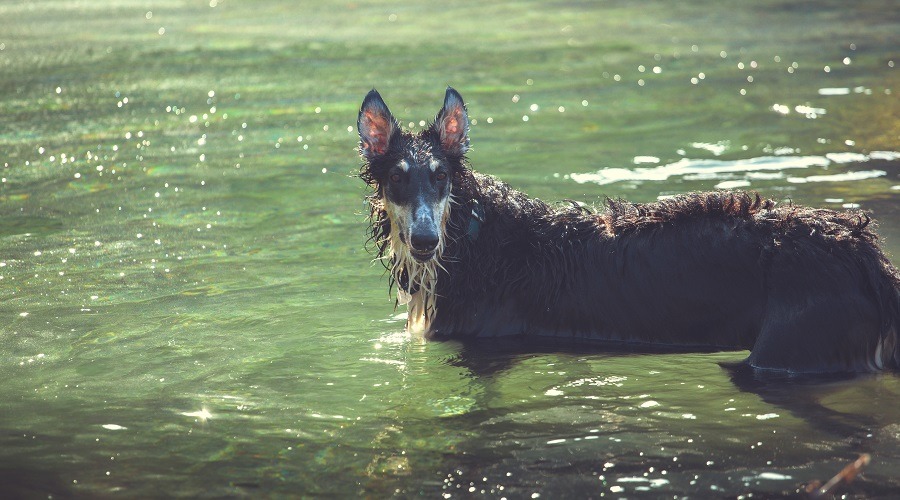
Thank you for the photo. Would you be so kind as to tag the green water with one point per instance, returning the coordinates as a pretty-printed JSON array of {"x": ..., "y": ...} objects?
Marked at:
[{"x": 188, "y": 308}]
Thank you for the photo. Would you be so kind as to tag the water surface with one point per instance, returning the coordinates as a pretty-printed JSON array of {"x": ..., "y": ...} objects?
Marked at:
[{"x": 188, "y": 308}]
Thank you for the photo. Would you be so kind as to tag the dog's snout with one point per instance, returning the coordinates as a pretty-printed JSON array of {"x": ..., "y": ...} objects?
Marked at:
[
  {"x": 423, "y": 235},
  {"x": 424, "y": 242}
]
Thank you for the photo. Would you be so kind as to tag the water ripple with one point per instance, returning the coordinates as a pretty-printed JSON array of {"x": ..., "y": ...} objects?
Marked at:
[{"x": 712, "y": 168}]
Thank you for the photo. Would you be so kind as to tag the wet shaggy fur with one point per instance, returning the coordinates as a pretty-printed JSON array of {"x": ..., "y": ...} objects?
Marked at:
[{"x": 806, "y": 290}]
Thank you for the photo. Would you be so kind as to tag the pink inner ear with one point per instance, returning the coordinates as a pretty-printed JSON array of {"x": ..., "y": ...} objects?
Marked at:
[
  {"x": 377, "y": 131},
  {"x": 452, "y": 125},
  {"x": 452, "y": 129}
]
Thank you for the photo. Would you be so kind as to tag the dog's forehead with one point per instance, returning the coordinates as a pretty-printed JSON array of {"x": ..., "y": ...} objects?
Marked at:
[{"x": 419, "y": 151}]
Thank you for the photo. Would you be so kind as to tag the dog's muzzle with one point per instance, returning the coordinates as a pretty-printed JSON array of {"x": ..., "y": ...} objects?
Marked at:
[
  {"x": 423, "y": 233},
  {"x": 423, "y": 246},
  {"x": 421, "y": 257}
]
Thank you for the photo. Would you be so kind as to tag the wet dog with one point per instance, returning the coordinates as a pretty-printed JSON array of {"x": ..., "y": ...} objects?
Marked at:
[{"x": 806, "y": 290}]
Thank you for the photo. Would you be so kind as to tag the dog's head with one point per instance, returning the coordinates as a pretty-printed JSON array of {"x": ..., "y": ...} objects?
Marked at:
[{"x": 412, "y": 173}]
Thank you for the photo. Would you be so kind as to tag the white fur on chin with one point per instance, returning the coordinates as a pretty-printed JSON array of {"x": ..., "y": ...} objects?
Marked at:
[{"x": 421, "y": 304}]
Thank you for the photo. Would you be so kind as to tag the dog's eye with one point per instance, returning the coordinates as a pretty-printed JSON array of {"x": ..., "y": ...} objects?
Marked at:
[
  {"x": 395, "y": 177},
  {"x": 441, "y": 176}
]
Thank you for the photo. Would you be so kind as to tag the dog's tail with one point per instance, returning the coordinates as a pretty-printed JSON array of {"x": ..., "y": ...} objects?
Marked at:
[
  {"x": 882, "y": 284},
  {"x": 890, "y": 340},
  {"x": 885, "y": 281}
]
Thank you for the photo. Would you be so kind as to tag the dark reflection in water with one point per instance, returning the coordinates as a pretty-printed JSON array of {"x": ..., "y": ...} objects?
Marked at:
[
  {"x": 21, "y": 481},
  {"x": 602, "y": 440}
]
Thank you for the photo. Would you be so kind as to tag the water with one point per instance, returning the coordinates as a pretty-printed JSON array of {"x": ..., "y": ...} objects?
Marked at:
[{"x": 188, "y": 308}]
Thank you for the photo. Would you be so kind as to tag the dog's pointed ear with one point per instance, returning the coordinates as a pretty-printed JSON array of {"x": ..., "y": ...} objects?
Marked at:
[
  {"x": 452, "y": 124},
  {"x": 376, "y": 126}
]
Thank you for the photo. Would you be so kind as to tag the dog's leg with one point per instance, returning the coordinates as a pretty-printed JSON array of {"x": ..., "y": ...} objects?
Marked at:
[{"x": 828, "y": 334}]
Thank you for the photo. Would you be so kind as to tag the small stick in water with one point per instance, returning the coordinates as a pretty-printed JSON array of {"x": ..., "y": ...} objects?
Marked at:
[{"x": 846, "y": 475}]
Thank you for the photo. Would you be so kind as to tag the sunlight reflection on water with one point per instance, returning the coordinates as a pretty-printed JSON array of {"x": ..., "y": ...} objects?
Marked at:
[{"x": 713, "y": 168}]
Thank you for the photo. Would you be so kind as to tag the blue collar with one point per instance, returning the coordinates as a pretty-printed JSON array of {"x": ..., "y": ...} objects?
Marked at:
[{"x": 476, "y": 219}]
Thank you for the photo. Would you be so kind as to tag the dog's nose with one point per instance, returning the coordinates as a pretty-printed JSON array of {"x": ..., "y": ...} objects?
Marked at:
[{"x": 424, "y": 242}]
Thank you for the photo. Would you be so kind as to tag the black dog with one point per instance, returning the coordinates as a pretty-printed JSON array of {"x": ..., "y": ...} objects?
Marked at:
[{"x": 807, "y": 290}]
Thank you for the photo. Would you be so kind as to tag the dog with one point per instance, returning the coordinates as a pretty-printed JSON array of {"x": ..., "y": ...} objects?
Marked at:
[{"x": 805, "y": 290}]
